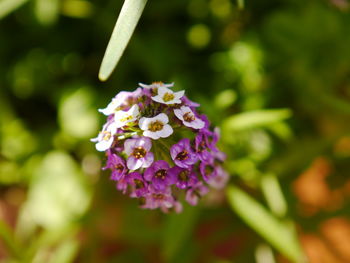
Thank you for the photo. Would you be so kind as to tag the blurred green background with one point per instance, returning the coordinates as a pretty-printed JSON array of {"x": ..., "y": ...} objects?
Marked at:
[{"x": 274, "y": 76}]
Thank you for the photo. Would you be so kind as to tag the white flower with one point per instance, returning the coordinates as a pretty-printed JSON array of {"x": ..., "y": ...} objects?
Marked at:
[
  {"x": 156, "y": 127},
  {"x": 122, "y": 99},
  {"x": 167, "y": 96},
  {"x": 156, "y": 85},
  {"x": 105, "y": 138},
  {"x": 121, "y": 118},
  {"x": 188, "y": 118}
]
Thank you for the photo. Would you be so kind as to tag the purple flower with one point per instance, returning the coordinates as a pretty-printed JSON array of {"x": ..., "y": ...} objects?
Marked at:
[
  {"x": 138, "y": 152},
  {"x": 202, "y": 148},
  {"x": 195, "y": 192},
  {"x": 117, "y": 165},
  {"x": 220, "y": 180},
  {"x": 158, "y": 198},
  {"x": 122, "y": 184},
  {"x": 184, "y": 177},
  {"x": 182, "y": 154},
  {"x": 208, "y": 171},
  {"x": 120, "y": 101},
  {"x": 177, "y": 208},
  {"x": 160, "y": 175},
  {"x": 188, "y": 118},
  {"x": 189, "y": 103},
  {"x": 139, "y": 185},
  {"x": 157, "y": 176}
]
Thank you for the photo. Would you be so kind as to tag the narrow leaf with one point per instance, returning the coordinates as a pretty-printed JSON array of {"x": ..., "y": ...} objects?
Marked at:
[
  {"x": 8, "y": 6},
  {"x": 278, "y": 234},
  {"x": 122, "y": 32},
  {"x": 255, "y": 119}
]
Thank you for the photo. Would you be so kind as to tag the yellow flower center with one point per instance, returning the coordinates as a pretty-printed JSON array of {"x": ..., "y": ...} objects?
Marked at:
[
  {"x": 138, "y": 184},
  {"x": 139, "y": 152},
  {"x": 168, "y": 97},
  {"x": 157, "y": 83},
  {"x": 119, "y": 167},
  {"x": 183, "y": 175},
  {"x": 126, "y": 118},
  {"x": 160, "y": 174},
  {"x": 188, "y": 116},
  {"x": 155, "y": 126},
  {"x": 106, "y": 135},
  {"x": 181, "y": 156}
]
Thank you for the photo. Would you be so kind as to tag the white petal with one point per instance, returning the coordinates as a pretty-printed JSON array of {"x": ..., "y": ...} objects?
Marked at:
[
  {"x": 179, "y": 94},
  {"x": 112, "y": 128},
  {"x": 132, "y": 165},
  {"x": 170, "y": 85},
  {"x": 104, "y": 145},
  {"x": 162, "y": 117},
  {"x": 198, "y": 123},
  {"x": 158, "y": 99},
  {"x": 163, "y": 90},
  {"x": 144, "y": 122},
  {"x": 179, "y": 114},
  {"x": 129, "y": 146},
  {"x": 175, "y": 101},
  {"x": 153, "y": 135},
  {"x": 134, "y": 111},
  {"x": 145, "y": 86},
  {"x": 110, "y": 107},
  {"x": 185, "y": 109},
  {"x": 166, "y": 131}
]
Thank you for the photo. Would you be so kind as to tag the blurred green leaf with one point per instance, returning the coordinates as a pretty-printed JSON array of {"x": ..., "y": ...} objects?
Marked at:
[
  {"x": 47, "y": 11},
  {"x": 8, "y": 239},
  {"x": 66, "y": 252},
  {"x": 8, "y": 6},
  {"x": 122, "y": 32},
  {"x": 77, "y": 8},
  {"x": 177, "y": 229},
  {"x": 272, "y": 191},
  {"x": 240, "y": 4},
  {"x": 281, "y": 236},
  {"x": 255, "y": 119},
  {"x": 76, "y": 115},
  {"x": 59, "y": 192}
]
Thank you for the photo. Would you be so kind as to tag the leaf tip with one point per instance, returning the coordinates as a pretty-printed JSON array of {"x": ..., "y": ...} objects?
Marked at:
[{"x": 102, "y": 76}]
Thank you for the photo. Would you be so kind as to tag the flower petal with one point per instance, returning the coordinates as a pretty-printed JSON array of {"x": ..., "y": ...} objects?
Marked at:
[
  {"x": 133, "y": 163},
  {"x": 153, "y": 135},
  {"x": 148, "y": 160},
  {"x": 129, "y": 146},
  {"x": 166, "y": 132},
  {"x": 162, "y": 117}
]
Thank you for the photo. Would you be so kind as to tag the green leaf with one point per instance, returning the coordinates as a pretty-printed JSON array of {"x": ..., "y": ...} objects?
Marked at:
[
  {"x": 177, "y": 229},
  {"x": 255, "y": 119},
  {"x": 7, "y": 237},
  {"x": 8, "y": 6},
  {"x": 240, "y": 4},
  {"x": 66, "y": 252},
  {"x": 277, "y": 233},
  {"x": 47, "y": 11},
  {"x": 122, "y": 32}
]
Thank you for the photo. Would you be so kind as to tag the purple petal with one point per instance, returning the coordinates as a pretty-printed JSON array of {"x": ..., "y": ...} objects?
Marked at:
[{"x": 148, "y": 160}]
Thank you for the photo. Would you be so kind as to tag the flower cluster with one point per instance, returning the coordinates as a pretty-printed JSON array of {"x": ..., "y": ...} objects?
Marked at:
[{"x": 158, "y": 145}]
